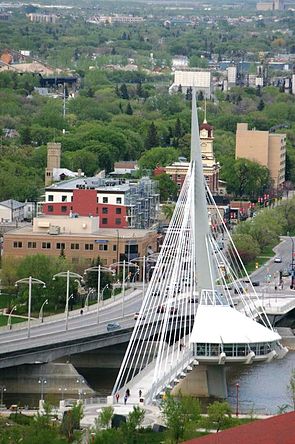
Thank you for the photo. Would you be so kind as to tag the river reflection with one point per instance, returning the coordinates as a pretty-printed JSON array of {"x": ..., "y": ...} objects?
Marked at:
[{"x": 263, "y": 387}]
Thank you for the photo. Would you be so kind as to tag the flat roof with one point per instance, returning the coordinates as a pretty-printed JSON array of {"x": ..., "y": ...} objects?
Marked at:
[
  {"x": 71, "y": 184},
  {"x": 101, "y": 233}
]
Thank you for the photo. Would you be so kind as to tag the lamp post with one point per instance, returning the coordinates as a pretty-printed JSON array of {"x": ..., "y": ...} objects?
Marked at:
[
  {"x": 62, "y": 390},
  {"x": 123, "y": 264},
  {"x": 41, "y": 312},
  {"x": 42, "y": 381},
  {"x": 80, "y": 381},
  {"x": 67, "y": 274},
  {"x": 143, "y": 260},
  {"x": 292, "y": 285},
  {"x": 9, "y": 325},
  {"x": 30, "y": 281},
  {"x": 99, "y": 269},
  {"x": 237, "y": 398},
  {"x": 102, "y": 291},
  {"x": 2, "y": 390}
]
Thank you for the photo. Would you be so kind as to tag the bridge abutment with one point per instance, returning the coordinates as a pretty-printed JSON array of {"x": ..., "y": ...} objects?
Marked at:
[{"x": 203, "y": 381}]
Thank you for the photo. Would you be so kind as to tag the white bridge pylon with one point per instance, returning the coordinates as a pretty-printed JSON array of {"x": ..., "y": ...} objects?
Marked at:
[{"x": 189, "y": 313}]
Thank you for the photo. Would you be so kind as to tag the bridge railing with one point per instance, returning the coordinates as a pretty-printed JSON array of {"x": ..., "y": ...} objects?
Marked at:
[
  {"x": 95, "y": 400},
  {"x": 170, "y": 375}
]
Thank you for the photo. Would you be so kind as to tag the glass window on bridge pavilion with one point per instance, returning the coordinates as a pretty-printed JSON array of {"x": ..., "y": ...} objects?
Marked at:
[{"x": 232, "y": 350}]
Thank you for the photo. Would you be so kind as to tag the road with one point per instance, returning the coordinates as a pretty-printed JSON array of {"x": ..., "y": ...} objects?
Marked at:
[{"x": 85, "y": 325}]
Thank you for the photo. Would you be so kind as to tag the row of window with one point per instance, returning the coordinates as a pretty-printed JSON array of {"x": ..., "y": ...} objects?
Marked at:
[
  {"x": 62, "y": 246},
  {"x": 233, "y": 350},
  {"x": 64, "y": 209},
  {"x": 105, "y": 199}
]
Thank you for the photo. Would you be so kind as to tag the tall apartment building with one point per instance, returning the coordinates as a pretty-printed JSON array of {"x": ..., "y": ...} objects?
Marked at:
[{"x": 268, "y": 149}]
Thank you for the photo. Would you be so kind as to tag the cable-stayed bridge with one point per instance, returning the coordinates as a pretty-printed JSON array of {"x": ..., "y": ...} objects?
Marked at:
[{"x": 189, "y": 300}]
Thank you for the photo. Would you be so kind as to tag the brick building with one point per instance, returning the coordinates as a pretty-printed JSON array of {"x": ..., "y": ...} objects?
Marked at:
[{"x": 79, "y": 238}]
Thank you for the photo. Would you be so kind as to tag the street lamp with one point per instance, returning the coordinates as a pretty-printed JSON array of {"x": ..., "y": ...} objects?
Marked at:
[
  {"x": 123, "y": 264},
  {"x": 67, "y": 274},
  {"x": 99, "y": 269},
  {"x": 2, "y": 390},
  {"x": 30, "y": 281},
  {"x": 42, "y": 381},
  {"x": 237, "y": 398},
  {"x": 80, "y": 381},
  {"x": 143, "y": 260},
  {"x": 9, "y": 325},
  {"x": 62, "y": 390},
  {"x": 42, "y": 310},
  {"x": 102, "y": 291}
]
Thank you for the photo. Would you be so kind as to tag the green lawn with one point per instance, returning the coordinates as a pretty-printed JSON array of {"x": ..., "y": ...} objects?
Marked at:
[{"x": 4, "y": 320}]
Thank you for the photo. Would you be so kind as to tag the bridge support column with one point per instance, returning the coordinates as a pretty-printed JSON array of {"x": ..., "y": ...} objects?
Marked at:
[{"x": 203, "y": 381}]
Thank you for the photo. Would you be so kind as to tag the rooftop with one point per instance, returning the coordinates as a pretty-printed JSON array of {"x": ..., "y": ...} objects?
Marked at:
[
  {"x": 274, "y": 430},
  {"x": 12, "y": 204}
]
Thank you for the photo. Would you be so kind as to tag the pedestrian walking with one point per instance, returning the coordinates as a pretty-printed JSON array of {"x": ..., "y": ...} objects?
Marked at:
[
  {"x": 125, "y": 399},
  {"x": 140, "y": 394},
  {"x": 117, "y": 397},
  {"x": 127, "y": 393}
]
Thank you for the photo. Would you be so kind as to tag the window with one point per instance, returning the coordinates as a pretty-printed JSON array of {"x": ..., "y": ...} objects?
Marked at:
[
  {"x": 74, "y": 246},
  {"x": 63, "y": 198},
  {"x": 60, "y": 246},
  {"x": 50, "y": 208},
  {"x": 46, "y": 245},
  {"x": 105, "y": 200},
  {"x": 50, "y": 198},
  {"x": 31, "y": 244},
  {"x": 114, "y": 247},
  {"x": 17, "y": 245},
  {"x": 63, "y": 209},
  {"x": 118, "y": 200},
  {"x": 118, "y": 210},
  {"x": 104, "y": 220},
  {"x": 103, "y": 247},
  {"x": 104, "y": 210},
  {"x": 88, "y": 246},
  {"x": 118, "y": 221}
]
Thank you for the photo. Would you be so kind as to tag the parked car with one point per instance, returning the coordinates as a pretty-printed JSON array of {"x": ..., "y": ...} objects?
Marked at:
[
  {"x": 161, "y": 309},
  {"x": 156, "y": 293},
  {"x": 113, "y": 326},
  {"x": 255, "y": 283}
]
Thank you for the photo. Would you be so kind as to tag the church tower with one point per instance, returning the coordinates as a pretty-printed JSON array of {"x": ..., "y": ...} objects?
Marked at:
[
  {"x": 210, "y": 166},
  {"x": 53, "y": 161}
]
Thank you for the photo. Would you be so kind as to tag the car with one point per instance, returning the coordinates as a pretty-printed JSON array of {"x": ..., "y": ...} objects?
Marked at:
[
  {"x": 113, "y": 326},
  {"x": 278, "y": 260},
  {"x": 239, "y": 290},
  {"x": 255, "y": 283},
  {"x": 137, "y": 316},
  {"x": 173, "y": 310},
  {"x": 194, "y": 300},
  {"x": 156, "y": 293}
]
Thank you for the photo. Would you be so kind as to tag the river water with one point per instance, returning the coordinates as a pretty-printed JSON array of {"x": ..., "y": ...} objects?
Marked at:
[{"x": 263, "y": 388}]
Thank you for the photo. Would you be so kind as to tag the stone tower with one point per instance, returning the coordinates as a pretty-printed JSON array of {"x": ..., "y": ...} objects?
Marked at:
[{"x": 53, "y": 161}]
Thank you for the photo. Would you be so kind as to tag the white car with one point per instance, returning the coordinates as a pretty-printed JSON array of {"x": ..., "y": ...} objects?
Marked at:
[
  {"x": 137, "y": 316},
  {"x": 278, "y": 260}
]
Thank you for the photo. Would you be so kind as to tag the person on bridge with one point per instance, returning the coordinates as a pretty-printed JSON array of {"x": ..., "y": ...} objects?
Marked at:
[
  {"x": 127, "y": 393},
  {"x": 117, "y": 397},
  {"x": 125, "y": 399}
]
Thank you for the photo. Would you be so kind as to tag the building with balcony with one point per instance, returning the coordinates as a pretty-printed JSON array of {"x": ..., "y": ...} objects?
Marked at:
[
  {"x": 116, "y": 203},
  {"x": 268, "y": 149}
]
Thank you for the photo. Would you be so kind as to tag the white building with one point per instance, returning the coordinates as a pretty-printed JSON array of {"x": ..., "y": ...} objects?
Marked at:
[
  {"x": 199, "y": 79},
  {"x": 11, "y": 210},
  {"x": 231, "y": 75}
]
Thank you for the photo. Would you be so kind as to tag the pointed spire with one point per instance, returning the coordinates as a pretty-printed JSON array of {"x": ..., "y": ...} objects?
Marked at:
[
  {"x": 205, "y": 111},
  {"x": 195, "y": 139}
]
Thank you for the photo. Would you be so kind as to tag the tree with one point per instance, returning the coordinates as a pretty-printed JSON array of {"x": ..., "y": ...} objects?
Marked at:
[
  {"x": 189, "y": 93},
  {"x": 260, "y": 105},
  {"x": 71, "y": 421},
  {"x": 179, "y": 89},
  {"x": 105, "y": 417},
  {"x": 124, "y": 92},
  {"x": 151, "y": 137},
  {"x": 129, "y": 109},
  {"x": 219, "y": 415},
  {"x": 167, "y": 188},
  {"x": 158, "y": 156},
  {"x": 248, "y": 248},
  {"x": 178, "y": 128},
  {"x": 291, "y": 387},
  {"x": 135, "y": 419},
  {"x": 180, "y": 415}
]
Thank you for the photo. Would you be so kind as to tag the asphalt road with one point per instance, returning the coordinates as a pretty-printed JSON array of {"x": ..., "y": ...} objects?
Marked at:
[{"x": 79, "y": 326}]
